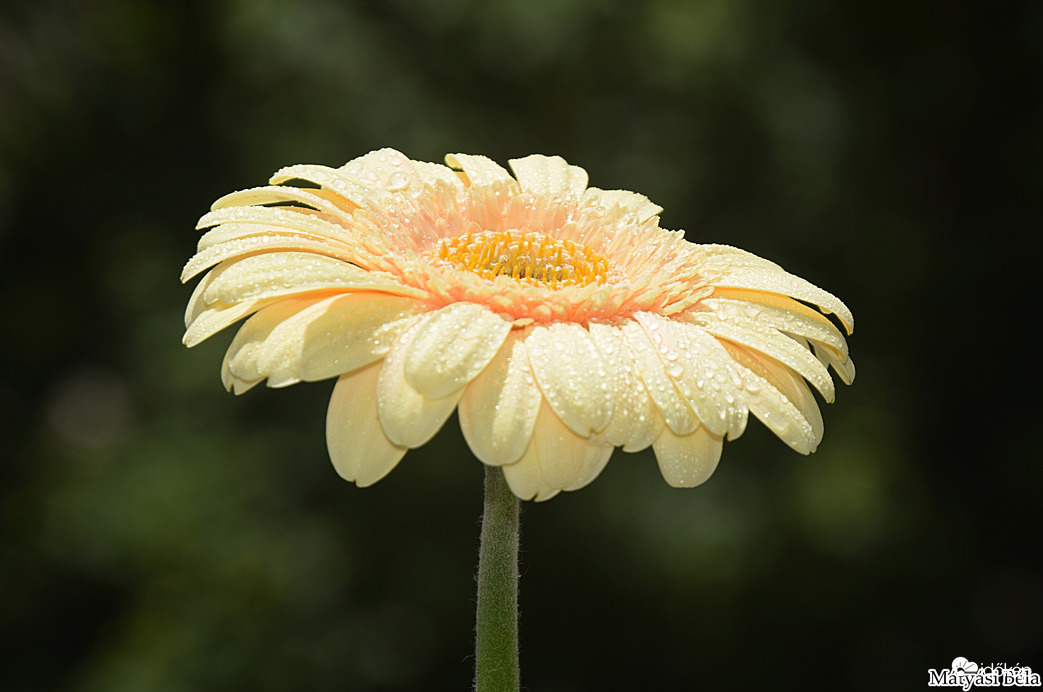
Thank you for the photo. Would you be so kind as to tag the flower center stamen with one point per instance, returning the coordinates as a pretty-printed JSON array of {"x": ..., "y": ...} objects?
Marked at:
[{"x": 531, "y": 258}]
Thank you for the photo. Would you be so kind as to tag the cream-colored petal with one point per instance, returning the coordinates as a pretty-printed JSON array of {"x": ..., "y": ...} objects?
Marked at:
[
  {"x": 498, "y": 409},
  {"x": 452, "y": 347},
  {"x": 381, "y": 172},
  {"x": 360, "y": 451},
  {"x": 525, "y": 479},
  {"x": 622, "y": 203},
  {"x": 234, "y": 384},
  {"x": 556, "y": 459},
  {"x": 549, "y": 175},
  {"x": 269, "y": 242},
  {"x": 276, "y": 274},
  {"x": 281, "y": 194},
  {"x": 845, "y": 367},
  {"x": 196, "y": 304},
  {"x": 635, "y": 423},
  {"x": 312, "y": 339},
  {"x": 434, "y": 173},
  {"x": 782, "y": 313},
  {"x": 792, "y": 386},
  {"x": 567, "y": 461},
  {"x": 409, "y": 418},
  {"x": 236, "y": 222},
  {"x": 688, "y": 460},
  {"x": 764, "y": 276},
  {"x": 480, "y": 170},
  {"x": 701, "y": 370},
  {"x": 572, "y": 375},
  {"x": 729, "y": 322},
  {"x": 677, "y": 414},
  {"x": 336, "y": 180},
  {"x": 779, "y": 398},
  {"x": 355, "y": 330},
  {"x": 212, "y": 320}
]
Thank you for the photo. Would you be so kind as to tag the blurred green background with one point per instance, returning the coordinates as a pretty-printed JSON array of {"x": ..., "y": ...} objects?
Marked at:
[{"x": 159, "y": 534}]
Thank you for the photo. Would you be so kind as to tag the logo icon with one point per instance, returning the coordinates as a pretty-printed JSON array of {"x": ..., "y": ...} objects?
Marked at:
[{"x": 968, "y": 674}]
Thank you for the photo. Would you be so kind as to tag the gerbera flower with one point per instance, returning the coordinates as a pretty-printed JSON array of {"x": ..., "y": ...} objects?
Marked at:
[{"x": 560, "y": 320}]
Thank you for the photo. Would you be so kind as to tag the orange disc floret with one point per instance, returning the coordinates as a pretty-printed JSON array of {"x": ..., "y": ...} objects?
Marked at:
[{"x": 532, "y": 258}]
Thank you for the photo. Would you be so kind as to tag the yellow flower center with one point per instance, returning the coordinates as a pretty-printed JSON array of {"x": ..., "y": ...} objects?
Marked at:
[{"x": 532, "y": 258}]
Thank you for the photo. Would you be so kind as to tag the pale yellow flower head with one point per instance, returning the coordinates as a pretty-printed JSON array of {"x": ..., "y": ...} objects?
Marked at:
[{"x": 559, "y": 319}]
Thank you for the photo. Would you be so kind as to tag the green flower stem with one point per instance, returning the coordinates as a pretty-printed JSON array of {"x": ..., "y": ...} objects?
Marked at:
[{"x": 496, "y": 639}]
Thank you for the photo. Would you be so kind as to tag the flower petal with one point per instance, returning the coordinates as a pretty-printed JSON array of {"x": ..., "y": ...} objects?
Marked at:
[
  {"x": 311, "y": 339},
  {"x": 239, "y": 222},
  {"x": 688, "y": 460},
  {"x": 234, "y": 384},
  {"x": 557, "y": 459},
  {"x": 678, "y": 415},
  {"x": 319, "y": 200},
  {"x": 701, "y": 370},
  {"x": 779, "y": 398},
  {"x": 452, "y": 347},
  {"x": 571, "y": 373},
  {"x": 409, "y": 418},
  {"x": 498, "y": 409},
  {"x": 783, "y": 313},
  {"x": 567, "y": 461},
  {"x": 740, "y": 269},
  {"x": 357, "y": 445},
  {"x": 622, "y": 203},
  {"x": 382, "y": 171},
  {"x": 269, "y": 242},
  {"x": 334, "y": 179},
  {"x": 212, "y": 320},
  {"x": 845, "y": 367},
  {"x": 549, "y": 175},
  {"x": 525, "y": 480},
  {"x": 726, "y": 321},
  {"x": 480, "y": 170},
  {"x": 433, "y": 173},
  {"x": 275, "y": 274},
  {"x": 635, "y": 423}
]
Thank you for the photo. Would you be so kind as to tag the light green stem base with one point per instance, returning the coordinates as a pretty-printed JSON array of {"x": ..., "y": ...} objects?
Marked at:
[{"x": 496, "y": 639}]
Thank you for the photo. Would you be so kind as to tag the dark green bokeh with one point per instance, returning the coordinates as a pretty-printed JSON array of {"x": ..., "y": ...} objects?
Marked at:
[{"x": 159, "y": 534}]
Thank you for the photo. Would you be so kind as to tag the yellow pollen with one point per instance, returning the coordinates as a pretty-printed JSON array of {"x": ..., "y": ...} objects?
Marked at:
[{"x": 531, "y": 258}]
